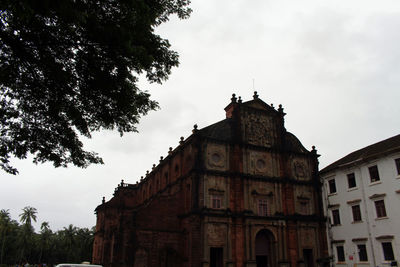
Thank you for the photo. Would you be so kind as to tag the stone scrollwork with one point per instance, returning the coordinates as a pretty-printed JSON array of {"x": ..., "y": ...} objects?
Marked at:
[
  {"x": 216, "y": 157},
  {"x": 258, "y": 163},
  {"x": 258, "y": 130},
  {"x": 299, "y": 169}
]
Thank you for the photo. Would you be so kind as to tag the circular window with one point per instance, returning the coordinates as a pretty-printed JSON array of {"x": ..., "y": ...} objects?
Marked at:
[
  {"x": 260, "y": 164},
  {"x": 216, "y": 158}
]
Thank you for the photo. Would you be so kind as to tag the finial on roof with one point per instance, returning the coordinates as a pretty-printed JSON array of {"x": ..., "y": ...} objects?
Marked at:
[
  {"x": 255, "y": 96},
  {"x": 141, "y": 178},
  {"x": 233, "y": 99},
  {"x": 240, "y": 99},
  {"x": 272, "y": 105},
  {"x": 194, "y": 128},
  {"x": 170, "y": 151},
  {"x": 181, "y": 141},
  {"x": 154, "y": 166},
  {"x": 103, "y": 200},
  {"x": 313, "y": 149},
  {"x": 122, "y": 182},
  {"x": 280, "y": 109},
  {"x": 161, "y": 158},
  {"x": 147, "y": 172}
]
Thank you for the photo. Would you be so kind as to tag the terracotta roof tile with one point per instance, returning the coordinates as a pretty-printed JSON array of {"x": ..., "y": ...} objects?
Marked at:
[{"x": 389, "y": 145}]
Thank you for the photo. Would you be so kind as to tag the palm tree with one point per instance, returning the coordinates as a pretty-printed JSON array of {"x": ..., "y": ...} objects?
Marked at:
[
  {"x": 4, "y": 225},
  {"x": 45, "y": 235},
  {"x": 28, "y": 214},
  {"x": 85, "y": 237},
  {"x": 69, "y": 236}
]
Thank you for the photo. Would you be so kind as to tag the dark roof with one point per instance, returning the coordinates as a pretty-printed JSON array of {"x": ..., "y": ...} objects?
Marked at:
[
  {"x": 292, "y": 143},
  {"x": 389, "y": 145},
  {"x": 221, "y": 130}
]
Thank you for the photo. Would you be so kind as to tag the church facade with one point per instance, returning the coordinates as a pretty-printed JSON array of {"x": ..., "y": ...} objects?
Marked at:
[{"x": 240, "y": 192}]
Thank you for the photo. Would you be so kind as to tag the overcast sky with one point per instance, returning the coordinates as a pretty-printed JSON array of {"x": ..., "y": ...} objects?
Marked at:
[{"x": 333, "y": 65}]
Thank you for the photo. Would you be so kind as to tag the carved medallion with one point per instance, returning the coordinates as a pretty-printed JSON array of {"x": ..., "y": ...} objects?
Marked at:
[
  {"x": 260, "y": 165},
  {"x": 216, "y": 157}
]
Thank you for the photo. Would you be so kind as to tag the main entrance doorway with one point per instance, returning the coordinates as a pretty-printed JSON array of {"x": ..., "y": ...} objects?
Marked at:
[
  {"x": 216, "y": 257},
  {"x": 308, "y": 257},
  {"x": 265, "y": 251}
]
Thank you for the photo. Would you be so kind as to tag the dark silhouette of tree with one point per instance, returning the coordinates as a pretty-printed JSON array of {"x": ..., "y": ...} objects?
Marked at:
[
  {"x": 5, "y": 220},
  {"x": 27, "y": 232},
  {"x": 69, "y": 238},
  {"x": 8, "y": 238},
  {"x": 44, "y": 239},
  {"x": 28, "y": 214},
  {"x": 19, "y": 243},
  {"x": 71, "y": 67}
]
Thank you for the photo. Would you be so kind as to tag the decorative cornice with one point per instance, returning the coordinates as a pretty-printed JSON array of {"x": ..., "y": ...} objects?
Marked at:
[
  {"x": 254, "y": 192},
  {"x": 360, "y": 239},
  {"x": 331, "y": 206},
  {"x": 375, "y": 196},
  {"x": 337, "y": 241},
  {"x": 301, "y": 197},
  {"x": 355, "y": 201},
  {"x": 384, "y": 237},
  {"x": 214, "y": 190}
]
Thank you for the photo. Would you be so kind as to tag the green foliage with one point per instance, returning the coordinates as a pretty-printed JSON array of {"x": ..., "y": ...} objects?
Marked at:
[
  {"x": 28, "y": 214},
  {"x": 19, "y": 243},
  {"x": 71, "y": 67}
]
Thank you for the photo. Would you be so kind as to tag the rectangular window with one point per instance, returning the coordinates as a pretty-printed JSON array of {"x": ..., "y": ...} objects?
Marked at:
[
  {"x": 216, "y": 201},
  {"x": 387, "y": 251},
  {"x": 373, "y": 173},
  {"x": 356, "y": 213},
  {"x": 335, "y": 217},
  {"x": 332, "y": 186},
  {"x": 262, "y": 207},
  {"x": 362, "y": 252},
  {"x": 340, "y": 254},
  {"x": 397, "y": 162},
  {"x": 380, "y": 208},
  {"x": 351, "y": 180}
]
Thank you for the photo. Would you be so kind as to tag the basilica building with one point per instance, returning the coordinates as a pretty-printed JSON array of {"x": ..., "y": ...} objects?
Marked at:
[{"x": 242, "y": 192}]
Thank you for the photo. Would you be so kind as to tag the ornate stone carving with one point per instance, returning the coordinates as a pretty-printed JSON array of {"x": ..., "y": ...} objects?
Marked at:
[
  {"x": 216, "y": 234},
  {"x": 216, "y": 157},
  {"x": 259, "y": 163},
  {"x": 258, "y": 130},
  {"x": 300, "y": 170},
  {"x": 307, "y": 237}
]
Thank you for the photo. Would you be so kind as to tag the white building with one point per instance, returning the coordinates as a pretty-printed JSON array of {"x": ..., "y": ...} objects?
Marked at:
[{"x": 362, "y": 201}]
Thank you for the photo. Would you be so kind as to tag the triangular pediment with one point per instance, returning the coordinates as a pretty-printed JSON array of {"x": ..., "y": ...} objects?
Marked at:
[{"x": 259, "y": 104}]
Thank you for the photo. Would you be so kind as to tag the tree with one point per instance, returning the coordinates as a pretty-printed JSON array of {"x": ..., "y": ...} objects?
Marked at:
[
  {"x": 85, "y": 239},
  {"x": 8, "y": 238},
  {"x": 4, "y": 227},
  {"x": 28, "y": 214},
  {"x": 45, "y": 237},
  {"x": 71, "y": 67},
  {"x": 69, "y": 239},
  {"x": 26, "y": 235}
]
